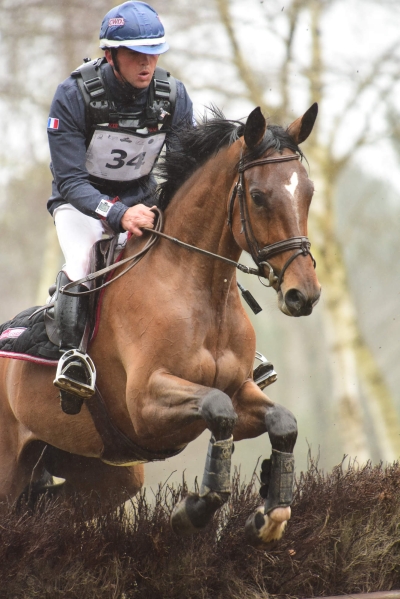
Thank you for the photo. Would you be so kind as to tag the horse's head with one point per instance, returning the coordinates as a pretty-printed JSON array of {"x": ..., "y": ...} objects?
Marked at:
[{"x": 273, "y": 196}]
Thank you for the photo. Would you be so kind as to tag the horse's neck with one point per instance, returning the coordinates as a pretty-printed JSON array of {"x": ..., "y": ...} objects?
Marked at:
[{"x": 198, "y": 212}]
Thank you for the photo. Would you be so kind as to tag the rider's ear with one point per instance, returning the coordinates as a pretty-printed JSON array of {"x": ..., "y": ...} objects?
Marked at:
[
  {"x": 301, "y": 128},
  {"x": 108, "y": 56},
  {"x": 255, "y": 128}
]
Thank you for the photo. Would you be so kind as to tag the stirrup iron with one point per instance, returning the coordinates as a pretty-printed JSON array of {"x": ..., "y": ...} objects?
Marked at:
[
  {"x": 72, "y": 360},
  {"x": 264, "y": 374}
]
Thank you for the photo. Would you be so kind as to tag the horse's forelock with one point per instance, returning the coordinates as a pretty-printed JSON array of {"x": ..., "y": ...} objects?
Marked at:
[{"x": 275, "y": 139}]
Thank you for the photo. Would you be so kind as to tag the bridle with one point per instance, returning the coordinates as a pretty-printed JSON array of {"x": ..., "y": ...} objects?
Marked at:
[{"x": 261, "y": 256}]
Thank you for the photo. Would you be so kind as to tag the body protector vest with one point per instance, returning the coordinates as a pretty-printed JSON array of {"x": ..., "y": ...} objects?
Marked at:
[{"x": 121, "y": 146}]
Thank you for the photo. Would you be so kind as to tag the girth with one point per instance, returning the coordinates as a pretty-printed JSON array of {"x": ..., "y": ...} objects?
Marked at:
[
  {"x": 118, "y": 449},
  {"x": 262, "y": 255}
]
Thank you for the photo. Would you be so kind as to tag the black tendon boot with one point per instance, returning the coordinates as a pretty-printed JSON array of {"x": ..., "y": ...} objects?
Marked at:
[{"x": 76, "y": 373}]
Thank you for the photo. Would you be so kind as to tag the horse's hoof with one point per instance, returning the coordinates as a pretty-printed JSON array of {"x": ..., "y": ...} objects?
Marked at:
[
  {"x": 263, "y": 530},
  {"x": 181, "y": 522}
]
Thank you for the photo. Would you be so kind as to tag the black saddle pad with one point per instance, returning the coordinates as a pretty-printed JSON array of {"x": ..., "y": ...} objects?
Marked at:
[{"x": 22, "y": 336}]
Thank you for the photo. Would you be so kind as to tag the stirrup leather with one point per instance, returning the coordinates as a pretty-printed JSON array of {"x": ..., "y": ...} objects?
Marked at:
[
  {"x": 72, "y": 360},
  {"x": 264, "y": 374}
]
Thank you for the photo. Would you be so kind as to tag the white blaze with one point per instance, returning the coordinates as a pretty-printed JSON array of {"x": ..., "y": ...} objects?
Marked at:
[{"x": 294, "y": 181}]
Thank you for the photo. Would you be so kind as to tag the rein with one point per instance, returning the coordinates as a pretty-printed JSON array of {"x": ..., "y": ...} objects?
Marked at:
[
  {"x": 135, "y": 259},
  {"x": 260, "y": 256},
  {"x": 99, "y": 273}
]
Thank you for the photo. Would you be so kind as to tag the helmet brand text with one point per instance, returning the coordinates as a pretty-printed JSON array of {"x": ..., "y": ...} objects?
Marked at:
[{"x": 116, "y": 21}]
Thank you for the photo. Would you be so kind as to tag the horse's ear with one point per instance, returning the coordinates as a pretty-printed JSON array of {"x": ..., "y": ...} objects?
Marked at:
[
  {"x": 255, "y": 128},
  {"x": 301, "y": 128}
]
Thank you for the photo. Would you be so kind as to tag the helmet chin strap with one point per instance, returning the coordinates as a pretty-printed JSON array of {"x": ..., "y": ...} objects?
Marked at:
[{"x": 114, "y": 56}]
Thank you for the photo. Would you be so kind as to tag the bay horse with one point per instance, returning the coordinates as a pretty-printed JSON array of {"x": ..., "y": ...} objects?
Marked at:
[{"x": 174, "y": 349}]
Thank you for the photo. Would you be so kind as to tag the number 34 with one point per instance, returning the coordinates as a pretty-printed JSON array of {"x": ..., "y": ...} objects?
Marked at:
[{"x": 136, "y": 161}]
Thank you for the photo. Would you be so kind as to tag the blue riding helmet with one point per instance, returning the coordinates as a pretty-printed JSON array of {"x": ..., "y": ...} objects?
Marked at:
[{"x": 134, "y": 25}]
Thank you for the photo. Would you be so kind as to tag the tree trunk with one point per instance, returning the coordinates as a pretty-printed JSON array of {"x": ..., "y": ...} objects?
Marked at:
[{"x": 354, "y": 369}]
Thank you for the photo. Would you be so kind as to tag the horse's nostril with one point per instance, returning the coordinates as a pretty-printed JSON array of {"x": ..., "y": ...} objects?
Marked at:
[{"x": 297, "y": 303}]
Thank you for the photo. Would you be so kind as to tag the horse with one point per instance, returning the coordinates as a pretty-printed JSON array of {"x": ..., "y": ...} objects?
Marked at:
[{"x": 174, "y": 349}]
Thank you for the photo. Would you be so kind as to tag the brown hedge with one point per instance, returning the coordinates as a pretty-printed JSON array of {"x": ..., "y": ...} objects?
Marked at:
[{"x": 344, "y": 537}]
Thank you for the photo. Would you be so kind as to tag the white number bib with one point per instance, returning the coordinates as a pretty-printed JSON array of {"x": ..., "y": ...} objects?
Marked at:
[{"x": 119, "y": 156}]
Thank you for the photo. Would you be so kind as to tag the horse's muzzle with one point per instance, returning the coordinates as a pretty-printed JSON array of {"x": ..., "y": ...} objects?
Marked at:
[{"x": 295, "y": 303}]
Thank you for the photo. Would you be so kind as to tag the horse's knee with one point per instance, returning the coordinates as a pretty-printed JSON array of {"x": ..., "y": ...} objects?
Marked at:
[
  {"x": 281, "y": 427},
  {"x": 217, "y": 410}
]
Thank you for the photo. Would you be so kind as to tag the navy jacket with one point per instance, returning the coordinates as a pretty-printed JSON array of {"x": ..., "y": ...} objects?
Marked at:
[{"x": 68, "y": 149}]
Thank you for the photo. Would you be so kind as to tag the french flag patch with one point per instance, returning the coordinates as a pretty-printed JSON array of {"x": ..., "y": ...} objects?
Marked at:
[{"x": 52, "y": 123}]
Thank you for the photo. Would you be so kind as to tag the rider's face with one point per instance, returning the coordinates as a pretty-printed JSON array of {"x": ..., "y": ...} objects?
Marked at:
[{"x": 137, "y": 68}]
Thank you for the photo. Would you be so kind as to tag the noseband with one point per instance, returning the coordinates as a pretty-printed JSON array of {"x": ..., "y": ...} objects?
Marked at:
[{"x": 261, "y": 256}]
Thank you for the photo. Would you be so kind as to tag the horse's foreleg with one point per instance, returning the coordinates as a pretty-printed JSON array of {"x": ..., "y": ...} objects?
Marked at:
[
  {"x": 214, "y": 408},
  {"x": 258, "y": 414},
  {"x": 196, "y": 510}
]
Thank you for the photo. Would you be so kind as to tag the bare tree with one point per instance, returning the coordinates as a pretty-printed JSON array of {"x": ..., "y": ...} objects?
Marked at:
[
  {"x": 280, "y": 55},
  {"x": 270, "y": 54},
  {"x": 41, "y": 41}
]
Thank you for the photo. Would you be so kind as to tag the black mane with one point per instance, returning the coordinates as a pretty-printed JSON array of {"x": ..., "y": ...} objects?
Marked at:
[{"x": 195, "y": 145}]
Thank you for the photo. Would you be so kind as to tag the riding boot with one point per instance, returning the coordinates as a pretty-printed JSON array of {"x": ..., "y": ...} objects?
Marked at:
[
  {"x": 264, "y": 374},
  {"x": 76, "y": 373}
]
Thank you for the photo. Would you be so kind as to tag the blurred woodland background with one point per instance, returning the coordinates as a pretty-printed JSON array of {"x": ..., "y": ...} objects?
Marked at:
[{"x": 338, "y": 368}]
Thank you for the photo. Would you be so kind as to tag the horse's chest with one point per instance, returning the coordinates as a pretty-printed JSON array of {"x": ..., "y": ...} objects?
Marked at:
[{"x": 221, "y": 370}]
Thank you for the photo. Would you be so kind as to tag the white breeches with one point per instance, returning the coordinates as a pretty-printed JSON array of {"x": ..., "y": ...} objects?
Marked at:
[{"x": 77, "y": 233}]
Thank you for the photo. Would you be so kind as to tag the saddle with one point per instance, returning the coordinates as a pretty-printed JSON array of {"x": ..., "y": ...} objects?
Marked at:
[
  {"x": 31, "y": 335},
  {"x": 24, "y": 338}
]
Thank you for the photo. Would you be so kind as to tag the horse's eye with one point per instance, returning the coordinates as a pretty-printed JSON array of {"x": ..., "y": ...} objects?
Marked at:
[{"x": 257, "y": 197}]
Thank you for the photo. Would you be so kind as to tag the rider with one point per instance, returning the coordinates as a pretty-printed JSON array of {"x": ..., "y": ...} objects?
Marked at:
[{"x": 108, "y": 123}]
